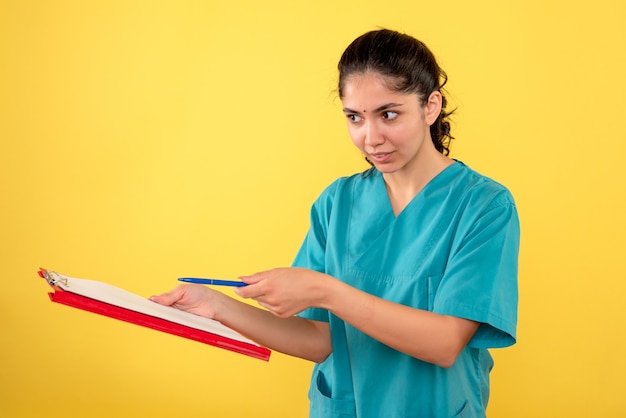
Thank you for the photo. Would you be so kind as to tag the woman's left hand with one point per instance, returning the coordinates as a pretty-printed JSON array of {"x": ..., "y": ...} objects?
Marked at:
[{"x": 285, "y": 291}]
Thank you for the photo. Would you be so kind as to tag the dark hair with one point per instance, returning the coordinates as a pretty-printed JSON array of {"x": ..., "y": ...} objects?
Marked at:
[{"x": 409, "y": 67}]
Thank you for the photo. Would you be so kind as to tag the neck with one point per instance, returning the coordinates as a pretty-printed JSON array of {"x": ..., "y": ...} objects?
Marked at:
[{"x": 404, "y": 185}]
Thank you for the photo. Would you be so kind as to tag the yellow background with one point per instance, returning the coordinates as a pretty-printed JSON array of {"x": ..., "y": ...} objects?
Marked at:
[{"x": 145, "y": 140}]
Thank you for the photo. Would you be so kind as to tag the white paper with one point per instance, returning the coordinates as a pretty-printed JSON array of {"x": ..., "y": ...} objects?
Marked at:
[{"x": 115, "y": 296}]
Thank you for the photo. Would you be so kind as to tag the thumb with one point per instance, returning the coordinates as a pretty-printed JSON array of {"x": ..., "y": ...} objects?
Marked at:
[
  {"x": 167, "y": 298},
  {"x": 252, "y": 279}
]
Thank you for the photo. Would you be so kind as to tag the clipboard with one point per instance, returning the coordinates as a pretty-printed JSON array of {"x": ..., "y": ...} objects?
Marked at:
[{"x": 107, "y": 300}]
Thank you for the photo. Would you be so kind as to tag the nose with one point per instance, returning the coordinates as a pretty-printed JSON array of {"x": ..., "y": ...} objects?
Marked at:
[{"x": 373, "y": 135}]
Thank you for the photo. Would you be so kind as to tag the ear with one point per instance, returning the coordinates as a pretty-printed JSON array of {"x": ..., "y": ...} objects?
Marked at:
[{"x": 432, "y": 108}]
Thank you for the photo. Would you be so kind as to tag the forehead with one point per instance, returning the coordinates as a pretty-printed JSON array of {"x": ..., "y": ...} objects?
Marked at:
[
  {"x": 368, "y": 79},
  {"x": 370, "y": 89}
]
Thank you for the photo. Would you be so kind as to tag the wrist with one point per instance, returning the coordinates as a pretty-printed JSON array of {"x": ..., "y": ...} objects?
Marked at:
[
  {"x": 325, "y": 289},
  {"x": 218, "y": 303}
]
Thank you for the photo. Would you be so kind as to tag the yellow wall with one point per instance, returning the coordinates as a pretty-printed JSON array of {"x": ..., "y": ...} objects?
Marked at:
[{"x": 144, "y": 140}]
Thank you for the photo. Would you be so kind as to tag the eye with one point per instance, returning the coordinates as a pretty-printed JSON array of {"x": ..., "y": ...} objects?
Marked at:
[
  {"x": 390, "y": 115},
  {"x": 354, "y": 118}
]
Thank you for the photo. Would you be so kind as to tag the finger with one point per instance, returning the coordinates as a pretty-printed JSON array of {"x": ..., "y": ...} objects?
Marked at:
[
  {"x": 253, "y": 278},
  {"x": 167, "y": 298},
  {"x": 276, "y": 310},
  {"x": 252, "y": 291},
  {"x": 160, "y": 299},
  {"x": 267, "y": 306}
]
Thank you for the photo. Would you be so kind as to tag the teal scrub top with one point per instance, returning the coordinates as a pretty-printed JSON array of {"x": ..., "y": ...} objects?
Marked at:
[{"x": 453, "y": 250}]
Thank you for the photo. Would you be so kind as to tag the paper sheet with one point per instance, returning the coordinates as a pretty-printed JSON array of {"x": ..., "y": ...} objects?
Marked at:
[{"x": 115, "y": 296}]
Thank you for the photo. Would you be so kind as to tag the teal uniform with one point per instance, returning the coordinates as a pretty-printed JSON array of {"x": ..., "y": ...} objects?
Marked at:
[{"x": 453, "y": 250}]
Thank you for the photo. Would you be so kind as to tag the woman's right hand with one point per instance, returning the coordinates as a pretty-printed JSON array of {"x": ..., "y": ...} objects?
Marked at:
[{"x": 193, "y": 298}]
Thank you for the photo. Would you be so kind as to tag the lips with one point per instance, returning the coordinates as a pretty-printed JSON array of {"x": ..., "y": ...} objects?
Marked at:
[{"x": 380, "y": 157}]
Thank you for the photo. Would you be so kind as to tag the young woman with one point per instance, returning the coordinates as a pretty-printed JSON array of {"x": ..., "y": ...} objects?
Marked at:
[{"x": 408, "y": 273}]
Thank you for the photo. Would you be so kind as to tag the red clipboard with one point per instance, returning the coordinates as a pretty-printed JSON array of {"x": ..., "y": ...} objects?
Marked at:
[{"x": 102, "y": 308}]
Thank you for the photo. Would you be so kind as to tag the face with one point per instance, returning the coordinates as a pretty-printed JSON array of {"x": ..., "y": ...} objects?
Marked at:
[{"x": 391, "y": 129}]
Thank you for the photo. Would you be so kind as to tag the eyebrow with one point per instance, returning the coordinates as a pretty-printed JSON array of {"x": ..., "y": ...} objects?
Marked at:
[{"x": 378, "y": 109}]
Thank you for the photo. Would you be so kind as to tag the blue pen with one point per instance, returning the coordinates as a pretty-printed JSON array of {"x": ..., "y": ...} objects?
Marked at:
[{"x": 214, "y": 282}]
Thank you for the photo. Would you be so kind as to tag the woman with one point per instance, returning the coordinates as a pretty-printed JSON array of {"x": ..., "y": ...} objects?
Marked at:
[{"x": 408, "y": 273}]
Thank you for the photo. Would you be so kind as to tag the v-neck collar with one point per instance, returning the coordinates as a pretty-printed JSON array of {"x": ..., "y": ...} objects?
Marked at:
[
  {"x": 438, "y": 180},
  {"x": 372, "y": 227}
]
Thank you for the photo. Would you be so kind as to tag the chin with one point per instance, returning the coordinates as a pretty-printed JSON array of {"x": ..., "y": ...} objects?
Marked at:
[{"x": 386, "y": 168}]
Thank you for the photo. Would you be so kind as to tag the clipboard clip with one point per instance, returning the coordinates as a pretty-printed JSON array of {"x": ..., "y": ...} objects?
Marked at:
[{"x": 52, "y": 277}]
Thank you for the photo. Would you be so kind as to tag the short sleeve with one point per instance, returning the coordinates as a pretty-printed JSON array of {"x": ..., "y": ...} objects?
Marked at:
[
  {"x": 312, "y": 253},
  {"x": 480, "y": 281}
]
